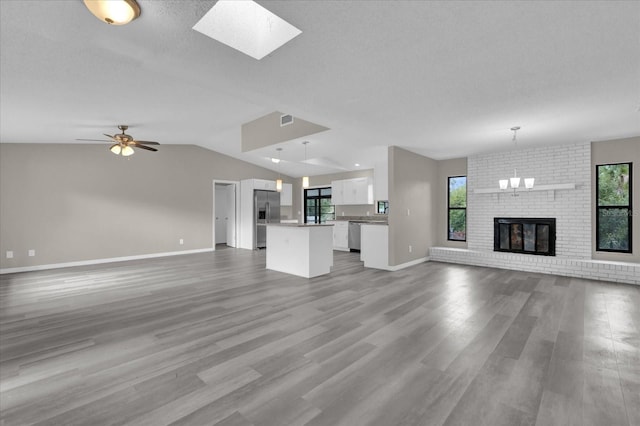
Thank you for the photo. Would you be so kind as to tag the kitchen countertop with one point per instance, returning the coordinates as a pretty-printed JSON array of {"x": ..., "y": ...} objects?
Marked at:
[{"x": 370, "y": 222}]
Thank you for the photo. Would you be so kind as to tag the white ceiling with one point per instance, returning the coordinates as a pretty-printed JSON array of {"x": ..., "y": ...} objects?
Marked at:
[{"x": 443, "y": 79}]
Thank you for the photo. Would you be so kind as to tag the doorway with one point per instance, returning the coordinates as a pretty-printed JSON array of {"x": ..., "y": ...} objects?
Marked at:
[{"x": 225, "y": 213}]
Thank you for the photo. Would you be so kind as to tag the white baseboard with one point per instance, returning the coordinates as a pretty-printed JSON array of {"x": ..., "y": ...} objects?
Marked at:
[
  {"x": 99, "y": 261},
  {"x": 406, "y": 265}
]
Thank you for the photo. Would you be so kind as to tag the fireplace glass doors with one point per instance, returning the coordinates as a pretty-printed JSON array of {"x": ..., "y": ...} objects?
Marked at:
[{"x": 525, "y": 235}]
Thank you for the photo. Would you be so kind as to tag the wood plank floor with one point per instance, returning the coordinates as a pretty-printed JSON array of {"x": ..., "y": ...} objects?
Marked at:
[{"x": 216, "y": 339}]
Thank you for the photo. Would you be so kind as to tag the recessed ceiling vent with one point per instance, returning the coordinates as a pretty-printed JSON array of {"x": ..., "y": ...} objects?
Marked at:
[{"x": 286, "y": 119}]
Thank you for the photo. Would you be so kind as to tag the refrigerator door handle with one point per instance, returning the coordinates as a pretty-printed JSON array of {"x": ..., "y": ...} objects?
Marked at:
[{"x": 268, "y": 216}]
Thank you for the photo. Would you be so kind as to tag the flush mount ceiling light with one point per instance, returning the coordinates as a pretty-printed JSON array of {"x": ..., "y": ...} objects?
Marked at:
[
  {"x": 514, "y": 182},
  {"x": 246, "y": 26},
  {"x": 114, "y": 12}
]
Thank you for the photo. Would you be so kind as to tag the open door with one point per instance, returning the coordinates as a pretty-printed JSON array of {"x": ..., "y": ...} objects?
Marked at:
[
  {"x": 220, "y": 214},
  {"x": 231, "y": 215},
  {"x": 225, "y": 211}
]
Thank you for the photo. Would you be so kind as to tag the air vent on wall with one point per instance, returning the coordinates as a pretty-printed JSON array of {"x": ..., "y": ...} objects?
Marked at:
[{"x": 286, "y": 119}]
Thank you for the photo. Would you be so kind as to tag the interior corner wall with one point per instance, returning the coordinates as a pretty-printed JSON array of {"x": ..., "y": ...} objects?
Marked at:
[
  {"x": 413, "y": 182},
  {"x": 447, "y": 169},
  {"x": 611, "y": 152},
  {"x": 79, "y": 202}
]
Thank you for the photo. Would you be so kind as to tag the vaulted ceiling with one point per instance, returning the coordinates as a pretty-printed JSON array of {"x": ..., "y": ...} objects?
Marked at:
[{"x": 443, "y": 79}]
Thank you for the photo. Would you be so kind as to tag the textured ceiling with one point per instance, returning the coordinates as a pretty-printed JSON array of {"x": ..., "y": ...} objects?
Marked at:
[{"x": 443, "y": 79}]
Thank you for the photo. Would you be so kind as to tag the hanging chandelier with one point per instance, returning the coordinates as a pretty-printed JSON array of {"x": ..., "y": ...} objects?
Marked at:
[{"x": 514, "y": 182}]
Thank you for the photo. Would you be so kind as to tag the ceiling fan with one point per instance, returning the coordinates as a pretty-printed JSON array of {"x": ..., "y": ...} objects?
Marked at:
[{"x": 125, "y": 143}]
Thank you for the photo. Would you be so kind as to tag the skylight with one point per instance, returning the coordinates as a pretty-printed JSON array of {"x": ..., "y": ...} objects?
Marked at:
[{"x": 246, "y": 26}]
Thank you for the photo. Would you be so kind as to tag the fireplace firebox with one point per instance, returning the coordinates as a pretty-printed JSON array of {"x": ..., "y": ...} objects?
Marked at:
[{"x": 525, "y": 235}]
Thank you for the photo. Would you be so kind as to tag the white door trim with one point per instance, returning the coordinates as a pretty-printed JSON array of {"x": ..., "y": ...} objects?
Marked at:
[{"x": 213, "y": 211}]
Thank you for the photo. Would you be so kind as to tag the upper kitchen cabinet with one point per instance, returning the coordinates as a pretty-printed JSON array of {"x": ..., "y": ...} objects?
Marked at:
[
  {"x": 267, "y": 185},
  {"x": 286, "y": 196},
  {"x": 356, "y": 191}
]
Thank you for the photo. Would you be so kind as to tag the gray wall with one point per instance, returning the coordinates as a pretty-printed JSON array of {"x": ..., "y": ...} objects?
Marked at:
[
  {"x": 413, "y": 187},
  {"x": 610, "y": 152},
  {"x": 446, "y": 169},
  {"x": 80, "y": 202}
]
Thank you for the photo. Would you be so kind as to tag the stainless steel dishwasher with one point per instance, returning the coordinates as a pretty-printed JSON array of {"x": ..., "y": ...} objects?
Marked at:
[{"x": 354, "y": 236}]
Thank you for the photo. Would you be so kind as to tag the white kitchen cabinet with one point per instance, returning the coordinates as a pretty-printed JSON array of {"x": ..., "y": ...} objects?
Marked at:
[
  {"x": 362, "y": 189},
  {"x": 286, "y": 196},
  {"x": 337, "y": 196},
  {"x": 299, "y": 249},
  {"x": 356, "y": 191},
  {"x": 269, "y": 185},
  {"x": 341, "y": 235}
]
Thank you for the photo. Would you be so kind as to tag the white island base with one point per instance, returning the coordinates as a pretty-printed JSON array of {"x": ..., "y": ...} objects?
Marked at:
[
  {"x": 374, "y": 250},
  {"x": 300, "y": 249}
]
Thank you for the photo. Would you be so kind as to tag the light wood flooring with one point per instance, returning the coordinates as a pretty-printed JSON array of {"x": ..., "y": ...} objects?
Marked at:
[{"x": 216, "y": 339}]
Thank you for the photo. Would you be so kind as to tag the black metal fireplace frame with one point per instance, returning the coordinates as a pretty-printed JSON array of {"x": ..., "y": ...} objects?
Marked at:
[{"x": 550, "y": 222}]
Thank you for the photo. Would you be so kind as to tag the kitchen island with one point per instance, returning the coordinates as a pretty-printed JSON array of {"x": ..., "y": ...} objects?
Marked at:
[
  {"x": 305, "y": 250},
  {"x": 375, "y": 245}
]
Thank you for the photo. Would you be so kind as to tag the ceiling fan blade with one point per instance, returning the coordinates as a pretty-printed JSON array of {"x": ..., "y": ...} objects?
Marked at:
[
  {"x": 94, "y": 140},
  {"x": 112, "y": 137},
  {"x": 137, "y": 145},
  {"x": 147, "y": 142}
]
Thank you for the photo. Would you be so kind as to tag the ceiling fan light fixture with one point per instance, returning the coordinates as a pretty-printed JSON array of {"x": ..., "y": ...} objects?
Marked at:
[
  {"x": 116, "y": 149},
  {"x": 114, "y": 12},
  {"x": 127, "y": 151}
]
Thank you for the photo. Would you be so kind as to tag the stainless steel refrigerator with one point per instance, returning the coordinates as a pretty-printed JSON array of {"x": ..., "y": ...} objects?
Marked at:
[{"x": 267, "y": 210}]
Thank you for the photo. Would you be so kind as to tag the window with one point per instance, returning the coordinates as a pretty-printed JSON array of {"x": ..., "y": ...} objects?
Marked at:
[
  {"x": 318, "y": 207},
  {"x": 614, "y": 214},
  {"x": 457, "y": 209}
]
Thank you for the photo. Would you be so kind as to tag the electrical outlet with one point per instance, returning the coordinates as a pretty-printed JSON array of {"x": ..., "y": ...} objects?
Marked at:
[
  {"x": 32, "y": 252},
  {"x": 410, "y": 249},
  {"x": 368, "y": 213},
  {"x": 9, "y": 254},
  {"x": 181, "y": 241},
  {"x": 408, "y": 212}
]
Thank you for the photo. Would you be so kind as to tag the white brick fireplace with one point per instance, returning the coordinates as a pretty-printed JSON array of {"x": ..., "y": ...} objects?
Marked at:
[{"x": 570, "y": 207}]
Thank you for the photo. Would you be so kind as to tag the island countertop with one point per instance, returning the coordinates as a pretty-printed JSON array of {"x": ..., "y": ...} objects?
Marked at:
[{"x": 300, "y": 225}]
